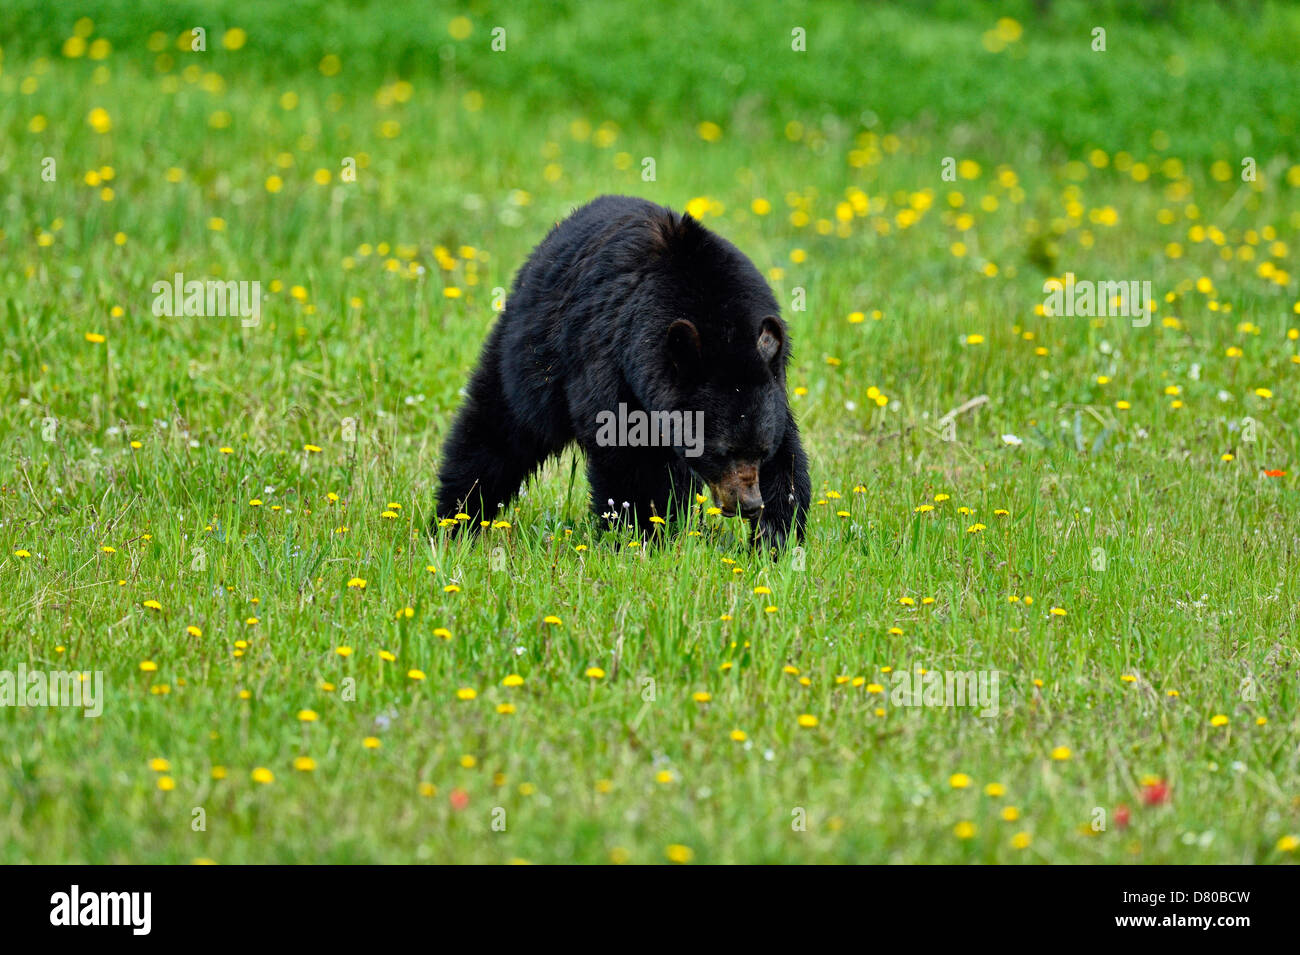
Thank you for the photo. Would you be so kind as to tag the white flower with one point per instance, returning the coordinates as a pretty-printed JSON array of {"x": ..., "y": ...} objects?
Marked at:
[{"x": 1012, "y": 440}]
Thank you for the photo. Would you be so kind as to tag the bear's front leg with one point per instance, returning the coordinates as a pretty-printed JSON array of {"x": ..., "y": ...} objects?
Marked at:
[
  {"x": 650, "y": 484},
  {"x": 787, "y": 492}
]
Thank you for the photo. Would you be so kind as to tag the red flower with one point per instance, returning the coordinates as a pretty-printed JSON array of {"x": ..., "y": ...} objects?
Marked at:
[
  {"x": 1155, "y": 794},
  {"x": 459, "y": 799},
  {"x": 1275, "y": 473},
  {"x": 1122, "y": 816}
]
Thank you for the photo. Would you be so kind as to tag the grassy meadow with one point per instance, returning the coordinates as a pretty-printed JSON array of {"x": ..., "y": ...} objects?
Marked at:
[{"x": 229, "y": 518}]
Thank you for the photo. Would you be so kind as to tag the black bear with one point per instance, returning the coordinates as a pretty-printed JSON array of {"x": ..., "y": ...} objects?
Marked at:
[{"x": 657, "y": 346}]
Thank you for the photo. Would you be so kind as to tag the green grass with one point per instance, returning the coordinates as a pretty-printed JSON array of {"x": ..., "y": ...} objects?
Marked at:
[{"x": 1176, "y": 569}]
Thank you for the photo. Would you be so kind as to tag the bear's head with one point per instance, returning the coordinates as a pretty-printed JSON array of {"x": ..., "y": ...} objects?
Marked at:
[{"x": 723, "y": 353}]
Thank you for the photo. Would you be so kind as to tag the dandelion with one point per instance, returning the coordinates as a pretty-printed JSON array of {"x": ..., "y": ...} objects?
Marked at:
[
  {"x": 808, "y": 721},
  {"x": 148, "y": 666},
  {"x": 415, "y": 674},
  {"x": 358, "y": 583},
  {"x": 304, "y": 764},
  {"x": 594, "y": 673},
  {"x": 1219, "y": 719},
  {"x": 99, "y": 120},
  {"x": 263, "y": 775},
  {"x": 371, "y": 742},
  {"x": 552, "y": 620},
  {"x": 959, "y": 780},
  {"x": 343, "y": 651},
  {"x": 964, "y": 830},
  {"x": 466, "y": 693},
  {"x": 1061, "y": 753},
  {"x": 308, "y": 716},
  {"x": 679, "y": 854}
]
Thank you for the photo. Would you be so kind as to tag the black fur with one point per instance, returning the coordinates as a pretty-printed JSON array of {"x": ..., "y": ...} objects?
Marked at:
[{"x": 627, "y": 302}]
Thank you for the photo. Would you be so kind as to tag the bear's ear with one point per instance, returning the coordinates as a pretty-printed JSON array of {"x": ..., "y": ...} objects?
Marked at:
[
  {"x": 683, "y": 346},
  {"x": 770, "y": 338}
]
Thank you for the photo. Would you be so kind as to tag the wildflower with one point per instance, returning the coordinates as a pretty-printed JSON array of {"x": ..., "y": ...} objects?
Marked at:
[
  {"x": 1155, "y": 792},
  {"x": 679, "y": 854}
]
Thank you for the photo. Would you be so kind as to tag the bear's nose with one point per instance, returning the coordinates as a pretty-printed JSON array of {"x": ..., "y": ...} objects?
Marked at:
[{"x": 751, "y": 503}]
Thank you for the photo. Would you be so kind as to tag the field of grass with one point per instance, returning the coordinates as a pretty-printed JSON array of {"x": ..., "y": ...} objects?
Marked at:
[{"x": 229, "y": 519}]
